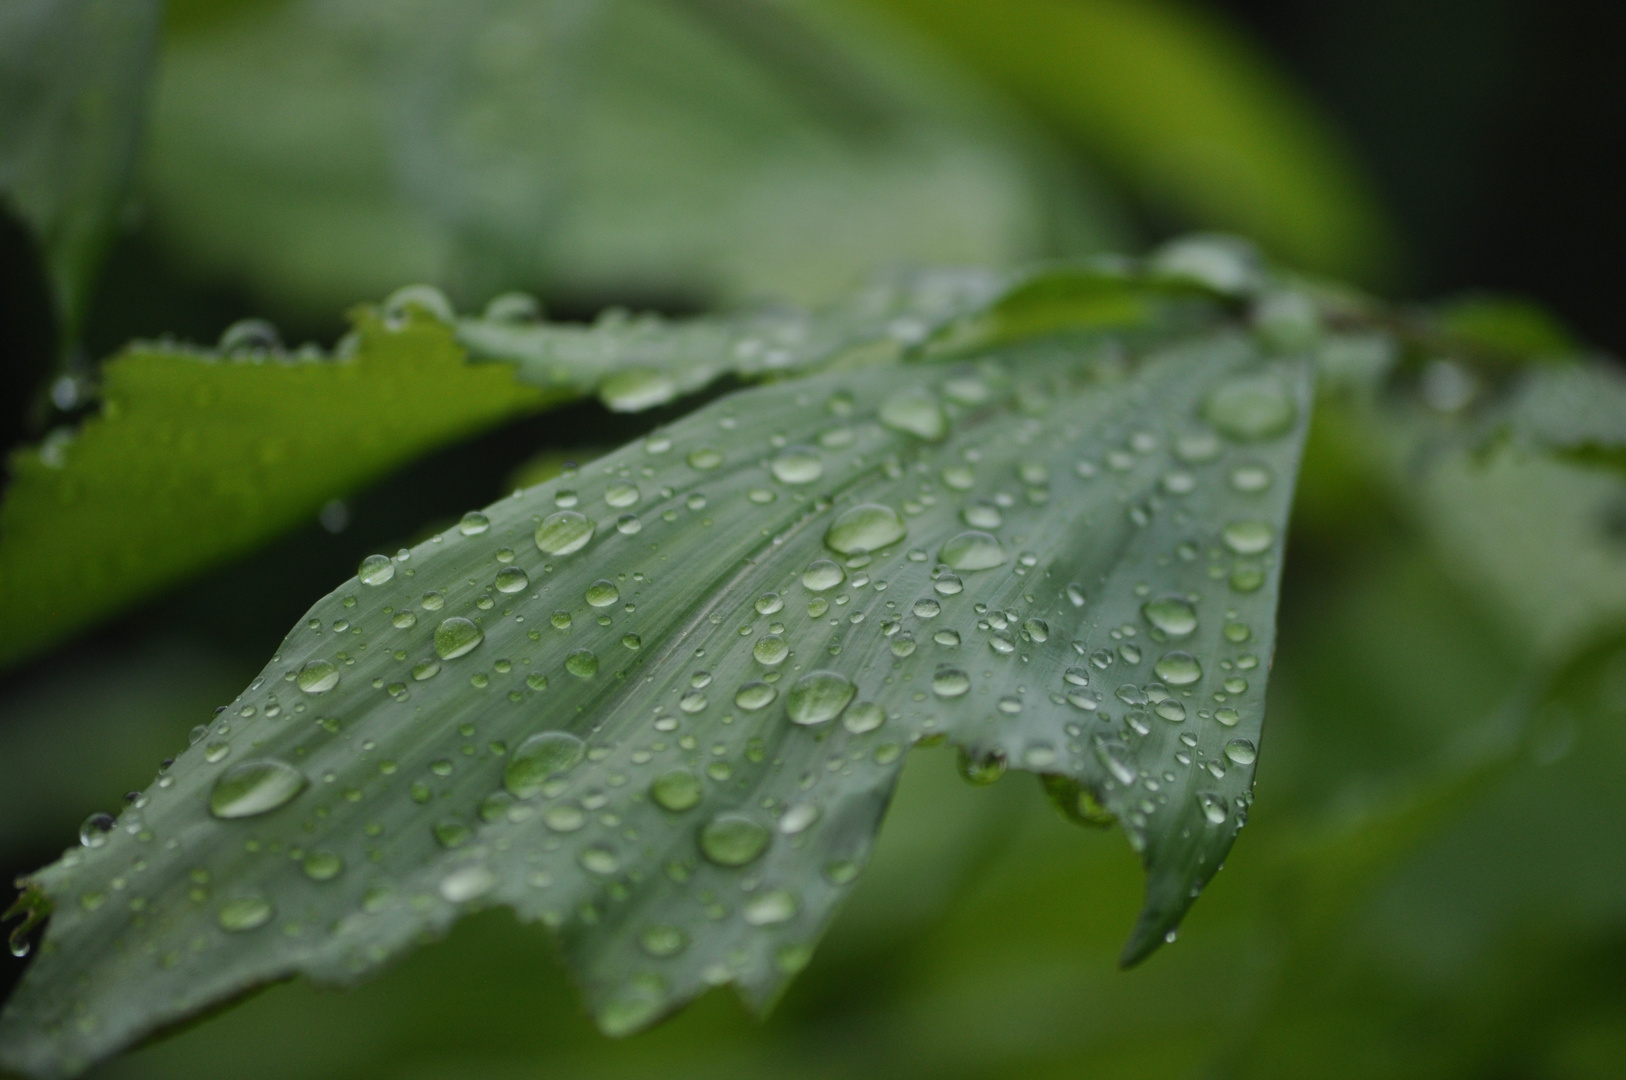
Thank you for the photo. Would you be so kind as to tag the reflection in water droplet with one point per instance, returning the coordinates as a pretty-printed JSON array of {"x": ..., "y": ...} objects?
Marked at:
[
  {"x": 456, "y": 637},
  {"x": 254, "y": 787},
  {"x": 93, "y": 832},
  {"x": 1173, "y": 615},
  {"x": 1037, "y": 629},
  {"x": 1251, "y": 408},
  {"x": 473, "y": 524},
  {"x": 980, "y": 770},
  {"x": 375, "y": 570},
  {"x": 972, "y": 550},
  {"x": 318, "y": 676},
  {"x": 563, "y": 532},
  {"x": 1178, "y": 669},
  {"x": 677, "y": 790},
  {"x": 733, "y": 840},
  {"x": 818, "y": 697},
  {"x": 797, "y": 465},
  {"x": 245, "y": 912},
  {"x": 948, "y": 585},
  {"x": 822, "y": 575},
  {"x": 927, "y": 609},
  {"x": 1213, "y": 807},
  {"x": 865, "y": 527},
  {"x": 539, "y": 757},
  {"x": 915, "y": 410}
]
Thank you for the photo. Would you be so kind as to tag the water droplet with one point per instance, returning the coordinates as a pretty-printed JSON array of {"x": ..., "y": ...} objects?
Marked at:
[
  {"x": 948, "y": 585},
  {"x": 959, "y": 477},
  {"x": 245, "y": 912},
  {"x": 1213, "y": 807},
  {"x": 1076, "y": 595},
  {"x": 323, "y": 865},
  {"x": 797, "y": 465},
  {"x": 981, "y": 769},
  {"x": 818, "y": 697},
  {"x": 1173, "y": 615},
  {"x": 865, "y": 527},
  {"x": 582, "y": 663},
  {"x": 949, "y": 638},
  {"x": 564, "y": 818},
  {"x": 1247, "y": 578},
  {"x": 950, "y": 682},
  {"x": 602, "y": 593},
  {"x": 692, "y": 702},
  {"x": 769, "y": 603},
  {"x": 318, "y": 676},
  {"x": 972, "y": 551},
  {"x": 677, "y": 790},
  {"x": 456, "y": 637},
  {"x": 598, "y": 859},
  {"x": 1250, "y": 479},
  {"x": 1241, "y": 751},
  {"x": 822, "y": 575},
  {"x": 798, "y": 818},
  {"x": 1197, "y": 447},
  {"x": 93, "y": 832},
  {"x": 982, "y": 515},
  {"x": 467, "y": 883},
  {"x": 1247, "y": 537},
  {"x": 770, "y": 908},
  {"x": 1178, "y": 669},
  {"x": 733, "y": 840},
  {"x": 452, "y": 833},
  {"x": 1251, "y": 408},
  {"x": 663, "y": 941},
  {"x": 636, "y": 389},
  {"x": 543, "y": 755},
  {"x": 375, "y": 570},
  {"x": 705, "y": 457},
  {"x": 563, "y": 532},
  {"x": 927, "y": 609},
  {"x": 864, "y": 716},
  {"x": 254, "y": 787},
  {"x": 915, "y": 410},
  {"x": 770, "y": 650},
  {"x": 1037, "y": 629},
  {"x": 1171, "y": 710},
  {"x": 1115, "y": 756},
  {"x": 473, "y": 524},
  {"x": 511, "y": 579},
  {"x": 422, "y": 299},
  {"x": 756, "y": 695}
]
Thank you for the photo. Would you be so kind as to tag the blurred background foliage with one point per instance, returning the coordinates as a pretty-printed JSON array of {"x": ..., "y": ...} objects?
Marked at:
[{"x": 1434, "y": 882}]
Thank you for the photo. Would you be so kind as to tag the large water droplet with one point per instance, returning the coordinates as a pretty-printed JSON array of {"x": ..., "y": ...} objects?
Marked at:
[
  {"x": 1178, "y": 669},
  {"x": 797, "y": 465},
  {"x": 467, "y": 883},
  {"x": 473, "y": 524},
  {"x": 511, "y": 579},
  {"x": 539, "y": 757},
  {"x": 636, "y": 389},
  {"x": 254, "y": 787},
  {"x": 563, "y": 532},
  {"x": 770, "y": 908},
  {"x": 1247, "y": 537},
  {"x": 1241, "y": 751},
  {"x": 456, "y": 637},
  {"x": 915, "y": 410},
  {"x": 822, "y": 575},
  {"x": 818, "y": 697},
  {"x": 1173, "y": 615},
  {"x": 755, "y": 695},
  {"x": 245, "y": 912},
  {"x": 705, "y": 458},
  {"x": 602, "y": 593},
  {"x": 770, "y": 650},
  {"x": 982, "y": 515},
  {"x": 950, "y": 682},
  {"x": 375, "y": 570},
  {"x": 972, "y": 550},
  {"x": 318, "y": 676},
  {"x": 1213, "y": 807},
  {"x": 733, "y": 840},
  {"x": 93, "y": 832},
  {"x": 582, "y": 663},
  {"x": 323, "y": 865},
  {"x": 863, "y": 528},
  {"x": 676, "y": 790},
  {"x": 863, "y": 716},
  {"x": 1251, "y": 408}
]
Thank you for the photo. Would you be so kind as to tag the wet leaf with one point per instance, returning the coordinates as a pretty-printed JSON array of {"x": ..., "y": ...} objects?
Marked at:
[{"x": 660, "y": 703}]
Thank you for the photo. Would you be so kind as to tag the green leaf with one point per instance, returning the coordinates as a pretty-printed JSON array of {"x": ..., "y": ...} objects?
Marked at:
[
  {"x": 1185, "y": 111},
  {"x": 73, "y": 90},
  {"x": 700, "y": 151},
  {"x": 659, "y": 704}
]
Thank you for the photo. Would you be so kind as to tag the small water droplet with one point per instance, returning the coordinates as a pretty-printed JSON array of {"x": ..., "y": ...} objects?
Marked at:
[
  {"x": 982, "y": 515},
  {"x": 865, "y": 527},
  {"x": 755, "y": 695},
  {"x": 770, "y": 908},
  {"x": 323, "y": 865},
  {"x": 582, "y": 663},
  {"x": 1037, "y": 629},
  {"x": 1213, "y": 807},
  {"x": 473, "y": 524},
  {"x": 246, "y": 912},
  {"x": 705, "y": 458},
  {"x": 563, "y": 532},
  {"x": 770, "y": 650},
  {"x": 818, "y": 697},
  {"x": 915, "y": 411},
  {"x": 602, "y": 593},
  {"x": 927, "y": 609},
  {"x": 769, "y": 603},
  {"x": 947, "y": 585},
  {"x": 959, "y": 477},
  {"x": 822, "y": 575},
  {"x": 456, "y": 637},
  {"x": 733, "y": 840},
  {"x": 949, "y": 638},
  {"x": 677, "y": 790},
  {"x": 972, "y": 550},
  {"x": 636, "y": 389},
  {"x": 863, "y": 716},
  {"x": 1250, "y": 479},
  {"x": 1241, "y": 751},
  {"x": 511, "y": 579},
  {"x": 663, "y": 941},
  {"x": 93, "y": 832},
  {"x": 797, "y": 465},
  {"x": 1178, "y": 669},
  {"x": 467, "y": 883},
  {"x": 540, "y": 757},
  {"x": 1247, "y": 537},
  {"x": 375, "y": 570},
  {"x": 318, "y": 676},
  {"x": 254, "y": 787}
]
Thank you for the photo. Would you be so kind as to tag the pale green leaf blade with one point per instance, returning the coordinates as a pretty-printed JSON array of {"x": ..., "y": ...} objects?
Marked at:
[
  {"x": 73, "y": 90},
  {"x": 1113, "y": 628}
]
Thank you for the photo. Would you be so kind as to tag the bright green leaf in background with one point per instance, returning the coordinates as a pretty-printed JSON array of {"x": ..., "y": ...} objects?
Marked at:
[{"x": 73, "y": 87}]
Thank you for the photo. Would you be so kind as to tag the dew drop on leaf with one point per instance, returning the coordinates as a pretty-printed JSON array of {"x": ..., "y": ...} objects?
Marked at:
[
  {"x": 972, "y": 550},
  {"x": 663, "y": 941},
  {"x": 563, "y": 532},
  {"x": 676, "y": 790},
  {"x": 636, "y": 389},
  {"x": 982, "y": 515},
  {"x": 797, "y": 465},
  {"x": 602, "y": 593},
  {"x": 927, "y": 609},
  {"x": 822, "y": 575},
  {"x": 915, "y": 411},
  {"x": 93, "y": 831},
  {"x": 863, "y": 716},
  {"x": 818, "y": 697},
  {"x": 770, "y": 650},
  {"x": 375, "y": 570},
  {"x": 254, "y": 787},
  {"x": 1241, "y": 751},
  {"x": 733, "y": 840},
  {"x": 1174, "y": 615},
  {"x": 754, "y": 696},
  {"x": 1251, "y": 408},
  {"x": 246, "y": 912},
  {"x": 1247, "y": 537},
  {"x": 770, "y": 908},
  {"x": 1213, "y": 807},
  {"x": 456, "y": 637},
  {"x": 452, "y": 833},
  {"x": 798, "y": 818},
  {"x": 539, "y": 757},
  {"x": 705, "y": 458},
  {"x": 950, "y": 682},
  {"x": 1250, "y": 479},
  {"x": 511, "y": 579},
  {"x": 323, "y": 865},
  {"x": 473, "y": 524},
  {"x": 582, "y": 663},
  {"x": 863, "y": 528},
  {"x": 318, "y": 676},
  {"x": 467, "y": 883},
  {"x": 769, "y": 603},
  {"x": 1178, "y": 668}
]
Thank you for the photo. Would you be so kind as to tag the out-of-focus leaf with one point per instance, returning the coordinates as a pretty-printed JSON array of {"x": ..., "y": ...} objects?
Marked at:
[
  {"x": 660, "y": 704},
  {"x": 326, "y": 150},
  {"x": 1185, "y": 111},
  {"x": 1507, "y": 324},
  {"x": 73, "y": 90}
]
